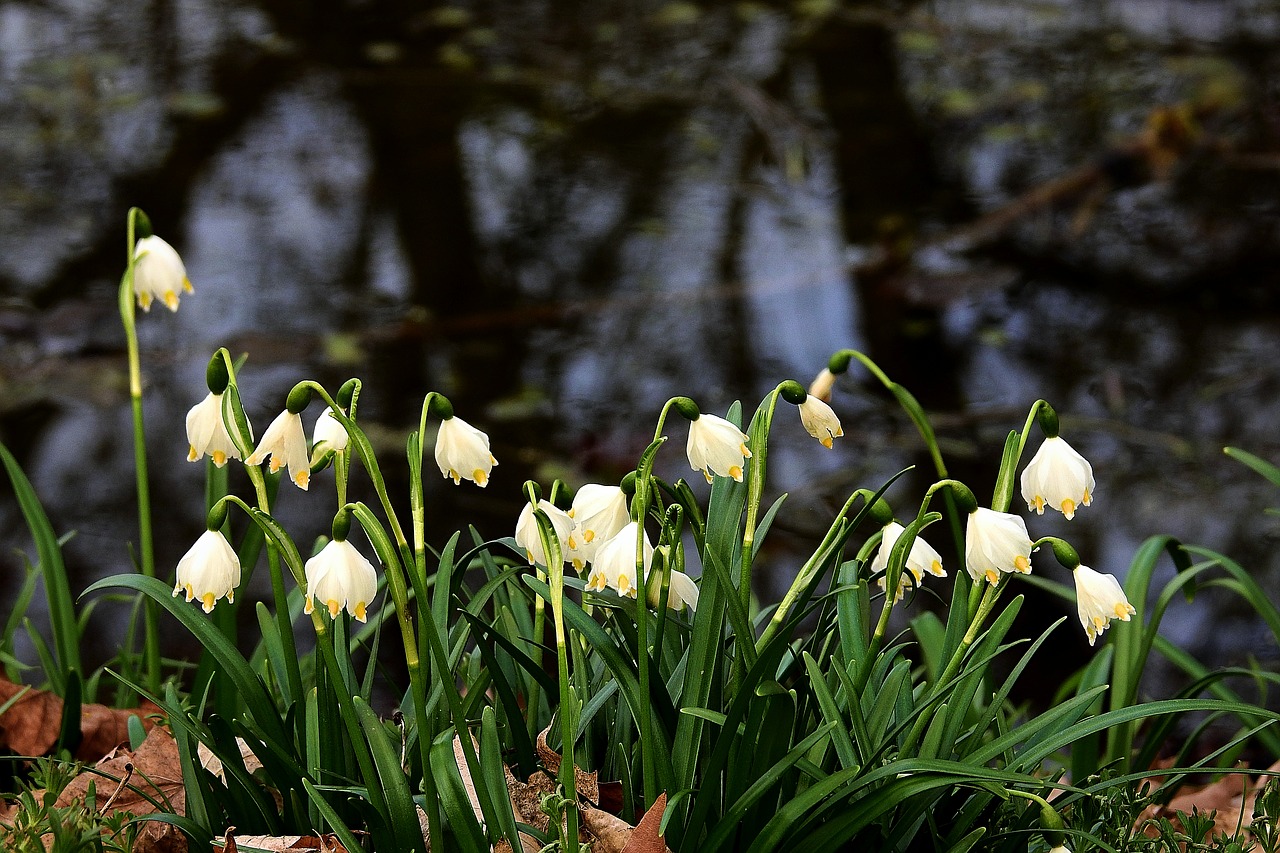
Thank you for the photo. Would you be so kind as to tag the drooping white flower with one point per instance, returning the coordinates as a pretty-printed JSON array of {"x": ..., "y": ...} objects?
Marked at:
[
  {"x": 527, "y": 536},
  {"x": 682, "y": 592},
  {"x": 820, "y": 421},
  {"x": 328, "y": 435},
  {"x": 1099, "y": 599},
  {"x": 462, "y": 452},
  {"x": 615, "y": 563},
  {"x": 286, "y": 444},
  {"x": 207, "y": 433},
  {"x": 209, "y": 571},
  {"x": 158, "y": 273},
  {"x": 921, "y": 559},
  {"x": 717, "y": 447},
  {"x": 598, "y": 513},
  {"x": 1059, "y": 477},
  {"x": 340, "y": 577},
  {"x": 996, "y": 542},
  {"x": 822, "y": 385}
]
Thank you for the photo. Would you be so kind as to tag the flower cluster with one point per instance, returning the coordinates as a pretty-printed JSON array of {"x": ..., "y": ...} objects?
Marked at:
[{"x": 597, "y": 531}]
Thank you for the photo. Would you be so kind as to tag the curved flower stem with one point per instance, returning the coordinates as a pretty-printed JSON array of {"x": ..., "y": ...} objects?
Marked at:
[
  {"x": 914, "y": 411},
  {"x": 146, "y": 547}
]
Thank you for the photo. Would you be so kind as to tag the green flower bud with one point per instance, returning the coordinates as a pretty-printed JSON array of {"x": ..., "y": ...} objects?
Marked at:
[
  {"x": 1064, "y": 553},
  {"x": 1051, "y": 825},
  {"x": 1048, "y": 419},
  {"x": 341, "y": 525},
  {"x": 965, "y": 501},
  {"x": 881, "y": 512},
  {"x": 298, "y": 400},
  {"x": 628, "y": 484},
  {"x": 793, "y": 392},
  {"x": 215, "y": 375},
  {"x": 141, "y": 224},
  {"x": 687, "y": 408},
  {"x": 839, "y": 362},
  {"x": 347, "y": 393},
  {"x": 217, "y": 516},
  {"x": 440, "y": 407}
]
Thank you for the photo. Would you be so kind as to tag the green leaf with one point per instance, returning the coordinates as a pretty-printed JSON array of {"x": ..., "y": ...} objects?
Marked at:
[
  {"x": 62, "y": 615},
  {"x": 402, "y": 814}
]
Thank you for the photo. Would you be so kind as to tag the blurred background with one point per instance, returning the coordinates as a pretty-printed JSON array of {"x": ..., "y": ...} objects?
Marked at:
[{"x": 562, "y": 213}]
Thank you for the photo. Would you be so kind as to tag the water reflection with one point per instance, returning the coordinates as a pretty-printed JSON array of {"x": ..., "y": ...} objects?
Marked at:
[{"x": 562, "y": 232}]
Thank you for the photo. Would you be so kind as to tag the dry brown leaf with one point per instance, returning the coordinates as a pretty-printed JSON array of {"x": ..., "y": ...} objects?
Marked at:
[
  {"x": 232, "y": 843},
  {"x": 588, "y": 784},
  {"x": 646, "y": 838},
  {"x": 1230, "y": 800},
  {"x": 611, "y": 833},
  {"x": 154, "y": 771},
  {"x": 31, "y": 726}
]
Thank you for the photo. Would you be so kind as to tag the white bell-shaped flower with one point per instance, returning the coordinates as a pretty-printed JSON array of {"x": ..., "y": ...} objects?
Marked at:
[
  {"x": 209, "y": 571},
  {"x": 327, "y": 436},
  {"x": 462, "y": 452},
  {"x": 682, "y": 592},
  {"x": 598, "y": 513},
  {"x": 820, "y": 421},
  {"x": 1058, "y": 477},
  {"x": 718, "y": 447},
  {"x": 286, "y": 444},
  {"x": 1099, "y": 599},
  {"x": 207, "y": 433},
  {"x": 528, "y": 538},
  {"x": 615, "y": 563},
  {"x": 158, "y": 273},
  {"x": 996, "y": 542},
  {"x": 922, "y": 559},
  {"x": 339, "y": 577}
]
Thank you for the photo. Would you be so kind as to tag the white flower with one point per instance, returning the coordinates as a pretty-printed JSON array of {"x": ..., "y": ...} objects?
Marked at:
[
  {"x": 598, "y": 513},
  {"x": 1058, "y": 477},
  {"x": 922, "y": 558},
  {"x": 286, "y": 444},
  {"x": 682, "y": 592},
  {"x": 822, "y": 385},
  {"x": 328, "y": 435},
  {"x": 1099, "y": 599},
  {"x": 527, "y": 536},
  {"x": 207, "y": 432},
  {"x": 158, "y": 273},
  {"x": 1061, "y": 848},
  {"x": 209, "y": 571},
  {"x": 717, "y": 447},
  {"x": 339, "y": 577},
  {"x": 819, "y": 421},
  {"x": 615, "y": 563},
  {"x": 462, "y": 451},
  {"x": 996, "y": 542}
]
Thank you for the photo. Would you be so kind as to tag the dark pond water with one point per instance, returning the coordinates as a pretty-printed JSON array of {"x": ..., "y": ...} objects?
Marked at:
[{"x": 563, "y": 214}]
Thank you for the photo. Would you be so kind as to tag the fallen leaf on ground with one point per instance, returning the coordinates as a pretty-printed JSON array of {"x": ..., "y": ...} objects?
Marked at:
[
  {"x": 232, "y": 843},
  {"x": 1230, "y": 800},
  {"x": 128, "y": 781},
  {"x": 31, "y": 726}
]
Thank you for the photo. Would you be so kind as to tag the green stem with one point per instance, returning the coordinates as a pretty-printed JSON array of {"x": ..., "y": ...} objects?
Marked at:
[
  {"x": 568, "y": 702},
  {"x": 146, "y": 547},
  {"x": 755, "y": 493},
  {"x": 990, "y": 596}
]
